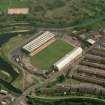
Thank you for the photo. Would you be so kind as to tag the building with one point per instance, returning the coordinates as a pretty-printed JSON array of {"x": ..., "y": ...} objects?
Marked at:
[
  {"x": 91, "y": 41},
  {"x": 39, "y": 43},
  {"x": 68, "y": 59},
  {"x": 18, "y": 11},
  {"x": 3, "y": 92}
]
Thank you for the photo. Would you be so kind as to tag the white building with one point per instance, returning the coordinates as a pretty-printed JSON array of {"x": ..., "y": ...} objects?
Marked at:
[
  {"x": 91, "y": 41},
  {"x": 17, "y": 11},
  {"x": 4, "y": 92},
  {"x": 3, "y": 103},
  {"x": 68, "y": 59}
]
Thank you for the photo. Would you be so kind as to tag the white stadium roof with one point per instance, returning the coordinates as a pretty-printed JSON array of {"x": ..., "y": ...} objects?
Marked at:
[
  {"x": 39, "y": 41},
  {"x": 67, "y": 59}
]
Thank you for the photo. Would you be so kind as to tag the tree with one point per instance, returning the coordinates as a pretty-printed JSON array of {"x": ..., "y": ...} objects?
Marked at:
[{"x": 61, "y": 78}]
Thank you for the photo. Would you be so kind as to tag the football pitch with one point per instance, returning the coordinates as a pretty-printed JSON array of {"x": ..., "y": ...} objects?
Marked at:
[{"x": 47, "y": 57}]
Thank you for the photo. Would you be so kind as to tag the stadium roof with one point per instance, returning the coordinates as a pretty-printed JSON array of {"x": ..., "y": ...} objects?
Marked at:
[
  {"x": 68, "y": 58},
  {"x": 39, "y": 41}
]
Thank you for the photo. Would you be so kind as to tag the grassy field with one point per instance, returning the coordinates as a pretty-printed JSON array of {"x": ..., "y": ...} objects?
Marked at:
[
  {"x": 51, "y": 54},
  {"x": 13, "y": 3}
]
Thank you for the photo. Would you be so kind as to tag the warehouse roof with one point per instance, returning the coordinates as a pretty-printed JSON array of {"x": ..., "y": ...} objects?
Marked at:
[
  {"x": 39, "y": 41},
  {"x": 66, "y": 60},
  {"x": 18, "y": 11}
]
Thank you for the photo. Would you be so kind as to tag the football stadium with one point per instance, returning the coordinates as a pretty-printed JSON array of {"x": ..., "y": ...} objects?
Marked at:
[{"x": 46, "y": 52}]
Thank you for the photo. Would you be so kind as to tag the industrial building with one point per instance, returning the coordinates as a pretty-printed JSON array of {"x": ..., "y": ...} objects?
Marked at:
[
  {"x": 17, "y": 11},
  {"x": 91, "y": 41},
  {"x": 39, "y": 43},
  {"x": 68, "y": 59}
]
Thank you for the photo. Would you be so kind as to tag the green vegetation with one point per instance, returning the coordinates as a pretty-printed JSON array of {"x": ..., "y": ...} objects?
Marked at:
[
  {"x": 4, "y": 4},
  {"x": 70, "y": 81},
  {"x": 66, "y": 13},
  {"x": 66, "y": 9},
  {"x": 10, "y": 88},
  {"x": 11, "y": 77},
  {"x": 59, "y": 13},
  {"x": 11, "y": 44},
  {"x": 68, "y": 101},
  {"x": 51, "y": 54},
  {"x": 61, "y": 78},
  {"x": 7, "y": 70}
]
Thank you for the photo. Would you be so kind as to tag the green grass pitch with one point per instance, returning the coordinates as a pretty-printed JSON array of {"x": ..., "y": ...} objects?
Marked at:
[{"x": 47, "y": 57}]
